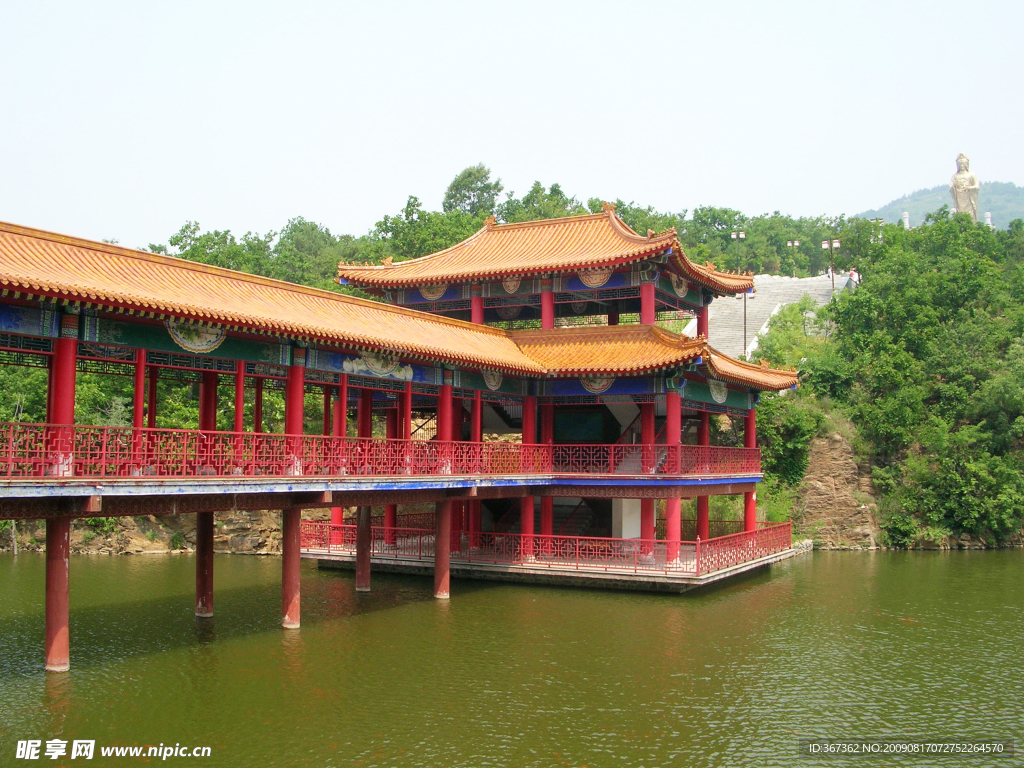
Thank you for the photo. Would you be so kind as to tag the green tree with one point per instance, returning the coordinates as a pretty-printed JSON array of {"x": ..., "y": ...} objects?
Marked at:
[
  {"x": 641, "y": 218},
  {"x": 539, "y": 203},
  {"x": 416, "y": 232},
  {"x": 473, "y": 192}
]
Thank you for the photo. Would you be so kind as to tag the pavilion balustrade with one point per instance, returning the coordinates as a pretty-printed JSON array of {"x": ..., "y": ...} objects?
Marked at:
[
  {"x": 28, "y": 450},
  {"x": 689, "y": 530},
  {"x": 694, "y": 557}
]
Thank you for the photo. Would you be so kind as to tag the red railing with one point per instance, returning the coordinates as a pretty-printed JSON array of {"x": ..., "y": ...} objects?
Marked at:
[
  {"x": 727, "y": 551},
  {"x": 654, "y": 460},
  {"x": 573, "y": 552},
  {"x": 404, "y": 543},
  {"x": 30, "y": 450},
  {"x": 688, "y": 528}
]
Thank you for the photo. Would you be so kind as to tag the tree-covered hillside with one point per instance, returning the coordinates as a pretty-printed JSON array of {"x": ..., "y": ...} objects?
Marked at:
[
  {"x": 1004, "y": 200},
  {"x": 926, "y": 358}
]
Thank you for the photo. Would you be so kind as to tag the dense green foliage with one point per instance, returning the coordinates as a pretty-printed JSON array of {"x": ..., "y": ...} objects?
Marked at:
[
  {"x": 786, "y": 425},
  {"x": 302, "y": 252},
  {"x": 927, "y": 359}
]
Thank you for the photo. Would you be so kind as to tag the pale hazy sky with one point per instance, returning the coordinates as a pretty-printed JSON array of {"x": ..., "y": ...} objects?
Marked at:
[{"x": 124, "y": 120}]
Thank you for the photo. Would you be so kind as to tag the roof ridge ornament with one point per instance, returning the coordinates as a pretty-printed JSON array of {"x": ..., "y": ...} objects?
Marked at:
[
  {"x": 607, "y": 207},
  {"x": 490, "y": 221}
]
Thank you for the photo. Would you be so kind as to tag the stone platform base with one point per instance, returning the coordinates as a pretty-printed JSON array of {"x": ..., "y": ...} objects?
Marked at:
[{"x": 551, "y": 575}]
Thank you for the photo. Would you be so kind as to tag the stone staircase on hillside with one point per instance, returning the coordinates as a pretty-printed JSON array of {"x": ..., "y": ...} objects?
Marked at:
[{"x": 772, "y": 292}]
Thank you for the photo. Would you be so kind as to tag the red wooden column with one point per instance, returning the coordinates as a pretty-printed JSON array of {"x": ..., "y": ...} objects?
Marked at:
[
  {"x": 547, "y": 503},
  {"x": 750, "y": 497},
  {"x": 647, "y": 309},
  {"x": 407, "y": 411},
  {"x": 257, "y": 407},
  {"x": 339, "y": 428},
  {"x": 442, "y": 538},
  {"x": 390, "y": 510},
  {"x": 62, "y": 396},
  {"x": 363, "y": 549},
  {"x": 703, "y": 438},
  {"x": 139, "y": 393},
  {"x": 204, "y": 520},
  {"x": 208, "y": 401},
  {"x": 526, "y": 502},
  {"x": 529, "y": 420},
  {"x": 613, "y": 314},
  {"x": 364, "y": 426},
  {"x": 139, "y": 411},
  {"x": 239, "y": 396},
  {"x": 204, "y": 564},
  {"x": 673, "y": 434},
  {"x": 444, "y": 413},
  {"x": 49, "y": 391},
  {"x": 58, "y": 547},
  {"x": 290, "y": 595},
  {"x": 476, "y": 428},
  {"x": 526, "y": 526},
  {"x": 458, "y": 419},
  {"x": 547, "y": 305},
  {"x": 458, "y": 507},
  {"x": 239, "y": 425},
  {"x": 647, "y": 526},
  {"x": 476, "y": 305},
  {"x": 154, "y": 377},
  {"x": 295, "y": 394},
  {"x": 294, "y": 408},
  {"x": 443, "y": 509},
  {"x": 702, "y": 321},
  {"x": 58, "y": 529}
]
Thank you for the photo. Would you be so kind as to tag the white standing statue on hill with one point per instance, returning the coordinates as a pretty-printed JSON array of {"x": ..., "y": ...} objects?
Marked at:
[{"x": 964, "y": 188}]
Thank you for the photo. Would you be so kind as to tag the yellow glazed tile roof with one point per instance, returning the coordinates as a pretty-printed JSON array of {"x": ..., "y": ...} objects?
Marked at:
[
  {"x": 542, "y": 247},
  {"x": 42, "y": 263},
  {"x": 759, "y": 376},
  {"x": 38, "y": 263},
  {"x": 607, "y": 349}
]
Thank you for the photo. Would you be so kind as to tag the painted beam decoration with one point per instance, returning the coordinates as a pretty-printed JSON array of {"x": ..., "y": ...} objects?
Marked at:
[
  {"x": 173, "y": 336},
  {"x": 30, "y": 321}
]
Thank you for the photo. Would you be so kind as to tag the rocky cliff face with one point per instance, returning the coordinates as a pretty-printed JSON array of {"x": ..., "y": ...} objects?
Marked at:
[{"x": 836, "y": 507}]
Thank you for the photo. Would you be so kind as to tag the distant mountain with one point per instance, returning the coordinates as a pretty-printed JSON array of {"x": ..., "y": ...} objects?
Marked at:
[{"x": 1004, "y": 199}]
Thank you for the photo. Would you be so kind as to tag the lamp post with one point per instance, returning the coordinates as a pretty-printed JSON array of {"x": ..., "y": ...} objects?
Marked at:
[
  {"x": 831, "y": 246},
  {"x": 793, "y": 244}
]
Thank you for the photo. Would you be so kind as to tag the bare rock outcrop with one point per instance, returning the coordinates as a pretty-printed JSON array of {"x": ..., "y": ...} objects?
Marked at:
[{"x": 836, "y": 506}]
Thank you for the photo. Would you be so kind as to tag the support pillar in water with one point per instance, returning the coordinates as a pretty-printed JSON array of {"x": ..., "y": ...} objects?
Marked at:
[
  {"x": 290, "y": 567},
  {"x": 58, "y": 546}
]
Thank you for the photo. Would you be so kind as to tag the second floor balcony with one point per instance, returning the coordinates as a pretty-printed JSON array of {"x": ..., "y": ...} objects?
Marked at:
[{"x": 43, "y": 450}]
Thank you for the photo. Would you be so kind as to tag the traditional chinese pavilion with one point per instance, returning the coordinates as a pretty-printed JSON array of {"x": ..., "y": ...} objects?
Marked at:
[{"x": 543, "y": 333}]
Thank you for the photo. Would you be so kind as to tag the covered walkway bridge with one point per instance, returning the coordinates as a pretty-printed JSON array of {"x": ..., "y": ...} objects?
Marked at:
[{"x": 73, "y": 306}]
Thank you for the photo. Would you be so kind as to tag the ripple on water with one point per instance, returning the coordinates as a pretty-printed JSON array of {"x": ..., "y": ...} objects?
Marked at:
[{"x": 879, "y": 645}]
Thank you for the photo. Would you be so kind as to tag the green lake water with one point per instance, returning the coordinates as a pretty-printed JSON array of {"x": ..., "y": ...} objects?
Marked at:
[{"x": 833, "y": 645}]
